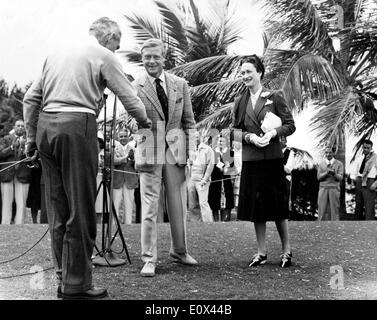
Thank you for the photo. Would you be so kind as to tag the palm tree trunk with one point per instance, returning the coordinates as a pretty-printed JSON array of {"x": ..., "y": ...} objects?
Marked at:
[{"x": 349, "y": 20}]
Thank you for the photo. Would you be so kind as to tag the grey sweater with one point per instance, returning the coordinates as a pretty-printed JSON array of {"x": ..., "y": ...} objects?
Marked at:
[{"x": 77, "y": 77}]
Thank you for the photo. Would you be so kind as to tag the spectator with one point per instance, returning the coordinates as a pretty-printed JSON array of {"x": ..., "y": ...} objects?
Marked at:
[
  {"x": 330, "y": 174},
  {"x": 125, "y": 183},
  {"x": 35, "y": 197},
  {"x": 364, "y": 176},
  {"x": 221, "y": 180},
  {"x": 288, "y": 158},
  {"x": 14, "y": 181},
  {"x": 201, "y": 162}
]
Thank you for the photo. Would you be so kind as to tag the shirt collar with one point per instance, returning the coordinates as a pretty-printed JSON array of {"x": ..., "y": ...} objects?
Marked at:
[
  {"x": 331, "y": 161},
  {"x": 161, "y": 77},
  {"x": 257, "y": 94}
]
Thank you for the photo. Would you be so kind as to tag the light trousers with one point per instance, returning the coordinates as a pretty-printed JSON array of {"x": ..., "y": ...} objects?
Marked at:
[
  {"x": 173, "y": 178},
  {"x": 14, "y": 190},
  {"x": 128, "y": 195},
  {"x": 199, "y": 208},
  {"x": 328, "y": 204}
]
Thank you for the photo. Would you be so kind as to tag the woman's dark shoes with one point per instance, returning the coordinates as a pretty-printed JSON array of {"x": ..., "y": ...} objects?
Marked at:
[
  {"x": 286, "y": 260},
  {"x": 258, "y": 259},
  {"x": 91, "y": 294}
]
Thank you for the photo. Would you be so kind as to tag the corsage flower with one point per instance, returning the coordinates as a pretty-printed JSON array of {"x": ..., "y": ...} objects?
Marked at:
[{"x": 265, "y": 94}]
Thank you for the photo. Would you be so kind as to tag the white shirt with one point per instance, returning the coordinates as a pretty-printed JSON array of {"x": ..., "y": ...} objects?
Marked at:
[
  {"x": 330, "y": 163},
  {"x": 163, "y": 81},
  {"x": 254, "y": 97},
  {"x": 372, "y": 173}
]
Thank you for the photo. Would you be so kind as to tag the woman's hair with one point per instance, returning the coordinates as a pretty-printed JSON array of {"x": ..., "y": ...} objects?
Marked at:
[
  {"x": 104, "y": 29},
  {"x": 153, "y": 43},
  {"x": 256, "y": 61}
]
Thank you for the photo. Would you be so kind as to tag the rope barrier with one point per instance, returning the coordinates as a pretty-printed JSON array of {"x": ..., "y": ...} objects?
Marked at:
[
  {"x": 25, "y": 274},
  {"x": 14, "y": 164}
]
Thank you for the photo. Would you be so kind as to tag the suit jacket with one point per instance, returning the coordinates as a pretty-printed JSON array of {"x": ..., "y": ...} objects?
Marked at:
[
  {"x": 249, "y": 121},
  {"x": 21, "y": 171},
  {"x": 174, "y": 133}
]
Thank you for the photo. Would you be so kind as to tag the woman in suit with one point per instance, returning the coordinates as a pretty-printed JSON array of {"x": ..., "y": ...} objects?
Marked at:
[{"x": 263, "y": 195}]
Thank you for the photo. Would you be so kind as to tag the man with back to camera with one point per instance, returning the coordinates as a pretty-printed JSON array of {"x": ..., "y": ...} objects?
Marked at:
[
  {"x": 167, "y": 101},
  {"x": 68, "y": 92}
]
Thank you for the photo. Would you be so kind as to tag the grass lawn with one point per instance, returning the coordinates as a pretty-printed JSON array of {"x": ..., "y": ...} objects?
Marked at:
[{"x": 223, "y": 250}]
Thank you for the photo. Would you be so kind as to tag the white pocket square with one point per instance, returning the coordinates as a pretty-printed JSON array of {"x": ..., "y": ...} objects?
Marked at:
[{"x": 268, "y": 101}]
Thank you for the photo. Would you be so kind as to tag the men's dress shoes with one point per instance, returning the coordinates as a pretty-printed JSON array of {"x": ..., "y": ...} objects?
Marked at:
[
  {"x": 149, "y": 269},
  {"x": 91, "y": 294},
  {"x": 184, "y": 258},
  {"x": 258, "y": 259}
]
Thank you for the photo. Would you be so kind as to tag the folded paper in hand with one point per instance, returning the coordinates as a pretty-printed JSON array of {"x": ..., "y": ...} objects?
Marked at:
[{"x": 270, "y": 121}]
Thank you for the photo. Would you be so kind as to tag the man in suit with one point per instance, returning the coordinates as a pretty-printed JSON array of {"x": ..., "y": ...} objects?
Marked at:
[
  {"x": 161, "y": 155},
  {"x": 330, "y": 174},
  {"x": 60, "y": 111},
  {"x": 16, "y": 180}
]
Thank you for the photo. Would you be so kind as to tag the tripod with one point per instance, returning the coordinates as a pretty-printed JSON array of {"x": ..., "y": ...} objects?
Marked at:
[{"x": 106, "y": 256}]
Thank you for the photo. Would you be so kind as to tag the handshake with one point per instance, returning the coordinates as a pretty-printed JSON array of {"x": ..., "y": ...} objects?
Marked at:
[{"x": 260, "y": 141}]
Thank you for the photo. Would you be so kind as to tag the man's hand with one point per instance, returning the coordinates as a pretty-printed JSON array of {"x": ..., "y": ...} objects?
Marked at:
[
  {"x": 146, "y": 124},
  {"x": 30, "y": 149},
  {"x": 202, "y": 183}
]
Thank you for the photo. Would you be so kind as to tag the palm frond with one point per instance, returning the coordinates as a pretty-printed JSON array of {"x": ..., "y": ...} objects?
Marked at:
[
  {"x": 308, "y": 32},
  {"x": 332, "y": 117},
  {"x": 174, "y": 34},
  {"x": 203, "y": 96},
  {"x": 144, "y": 27},
  {"x": 209, "y": 69},
  {"x": 301, "y": 158},
  {"x": 221, "y": 118},
  {"x": 316, "y": 75}
]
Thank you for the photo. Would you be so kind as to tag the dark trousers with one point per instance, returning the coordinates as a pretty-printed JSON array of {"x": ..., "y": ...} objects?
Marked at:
[
  {"x": 364, "y": 197},
  {"x": 68, "y": 148},
  {"x": 138, "y": 204}
]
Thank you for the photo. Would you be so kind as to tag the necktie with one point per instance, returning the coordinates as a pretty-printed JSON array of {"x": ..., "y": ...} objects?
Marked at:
[
  {"x": 162, "y": 98},
  {"x": 286, "y": 155},
  {"x": 363, "y": 165}
]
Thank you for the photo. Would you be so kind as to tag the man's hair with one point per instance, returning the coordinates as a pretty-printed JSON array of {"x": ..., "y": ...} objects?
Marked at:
[
  {"x": 332, "y": 148},
  {"x": 104, "y": 29},
  {"x": 367, "y": 141},
  {"x": 256, "y": 61},
  {"x": 153, "y": 43}
]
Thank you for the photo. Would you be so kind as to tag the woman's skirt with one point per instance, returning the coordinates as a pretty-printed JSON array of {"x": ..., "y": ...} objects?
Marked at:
[{"x": 263, "y": 194}]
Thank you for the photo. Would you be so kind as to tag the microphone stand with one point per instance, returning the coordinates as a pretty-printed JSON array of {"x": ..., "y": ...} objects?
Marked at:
[{"x": 106, "y": 257}]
